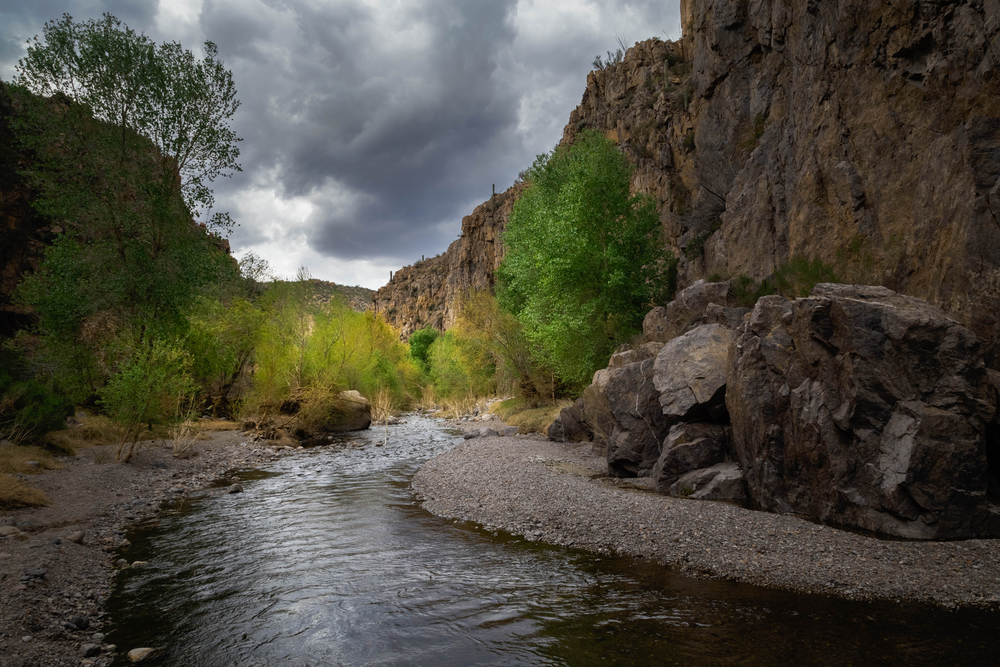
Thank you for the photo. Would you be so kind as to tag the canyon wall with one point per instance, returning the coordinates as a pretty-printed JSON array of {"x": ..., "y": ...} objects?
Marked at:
[{"x": 866, "y": 136}]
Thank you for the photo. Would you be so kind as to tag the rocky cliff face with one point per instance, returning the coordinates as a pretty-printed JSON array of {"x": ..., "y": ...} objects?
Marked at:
[
  {"x": 428, "y": 292},
  {"x": 866, "y": 136}
]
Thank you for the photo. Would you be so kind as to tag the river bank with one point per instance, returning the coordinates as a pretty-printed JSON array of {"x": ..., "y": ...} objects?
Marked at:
[
  {"x": 56, "y": 568},
  {"x": 560, "y": 494}
]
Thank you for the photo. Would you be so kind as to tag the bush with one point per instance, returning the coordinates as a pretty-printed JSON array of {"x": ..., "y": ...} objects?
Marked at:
[
  {"x": 799, "y": 276},
  {"x": 28, "y": 408},
  {"x": 420, "y": 343}
]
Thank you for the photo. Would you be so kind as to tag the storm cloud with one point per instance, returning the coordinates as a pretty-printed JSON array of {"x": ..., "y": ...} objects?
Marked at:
[{"x": 371, "y": 128}]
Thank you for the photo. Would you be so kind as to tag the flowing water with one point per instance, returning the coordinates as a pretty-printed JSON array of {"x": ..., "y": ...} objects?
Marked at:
[{"x": 326, "y": 559}]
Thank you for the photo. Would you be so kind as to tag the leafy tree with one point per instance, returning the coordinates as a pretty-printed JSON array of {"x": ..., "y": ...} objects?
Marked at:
[
  {"x": 122, "y": 137},
  {"x": 584, "y": 259},
  {"x": 420, "y": 343}
]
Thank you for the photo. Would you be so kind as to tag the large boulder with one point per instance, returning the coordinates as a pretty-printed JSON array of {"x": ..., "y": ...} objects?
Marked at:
[
  {"x": 570, "y": 425},
  {"x": 639, "y": 424},
  {"x": 664, "y": 323},
  {"x": 866, "y": 408},
  {"x": 350, "y": 411},
  {"x": 690, "y": 374},
  {"x": 689, "y": 447}
]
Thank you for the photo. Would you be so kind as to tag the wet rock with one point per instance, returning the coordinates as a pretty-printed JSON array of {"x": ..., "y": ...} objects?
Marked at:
[
  {"x": 90, "y": 650},
  {"x": 690, "y": 374},
  {"x": 723, "y": 481},
  {"x": 867, "y": 408},
  {"x": 687, "y": 447},
  {"x": 235, "y": 488},
  {"x": 137, "y": 654}
]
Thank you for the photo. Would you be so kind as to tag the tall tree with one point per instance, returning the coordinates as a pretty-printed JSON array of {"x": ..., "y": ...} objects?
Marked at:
[
  {"x": 122, "y": 138},
  {"x": 584, "y": 259}
]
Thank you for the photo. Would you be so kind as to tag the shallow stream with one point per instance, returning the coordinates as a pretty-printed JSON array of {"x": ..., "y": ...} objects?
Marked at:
[{"x": 327, "y": 559}]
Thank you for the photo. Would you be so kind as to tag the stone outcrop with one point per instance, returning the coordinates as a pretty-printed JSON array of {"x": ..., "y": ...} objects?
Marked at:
[
  {"x": 867, "y": 408},
  {"x": 856, "y": 405}
]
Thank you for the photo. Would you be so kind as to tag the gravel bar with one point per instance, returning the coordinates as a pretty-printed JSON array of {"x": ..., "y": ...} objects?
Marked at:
[{"x": 560, "y": 494}]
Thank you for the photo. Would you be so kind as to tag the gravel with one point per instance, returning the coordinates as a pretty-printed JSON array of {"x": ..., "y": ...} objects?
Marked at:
[
  {"x": 561, "y": 494},
  {"x": 56, "y": 570}
]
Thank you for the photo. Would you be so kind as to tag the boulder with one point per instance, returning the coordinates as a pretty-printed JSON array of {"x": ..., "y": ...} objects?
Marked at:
[
  {"x": 867, "y": 408},
  {"x": 639, "y": 424},
  {"x": 597, "y": 412},
  {"x": 689, "y": 446},
  {"x": 690, "y": 374},
  {"x": 664, "y": 323},
  {"x": 350, "y": 411},
  {"x": 571, "y": 425},
  {"x": 723, "y": 481}
]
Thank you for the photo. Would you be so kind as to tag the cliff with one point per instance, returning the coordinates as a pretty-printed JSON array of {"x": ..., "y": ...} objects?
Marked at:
[
  {"x": 866, "y": 136},
  {"x": 428, "y": 293}
]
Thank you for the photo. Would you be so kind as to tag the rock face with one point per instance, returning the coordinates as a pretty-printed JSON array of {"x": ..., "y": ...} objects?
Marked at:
[
  {"x": 428, "y": 292},
  {"x": 867, "y": 408},
  {"x": 723, "y": 481}
]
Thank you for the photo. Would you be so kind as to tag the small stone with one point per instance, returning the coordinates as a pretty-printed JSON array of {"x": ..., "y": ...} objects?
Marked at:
[
  {"x": 235, "y": 488},
  {"x": 26, "y": 639},
  {"x": 121, "y": 562},
  {"x": 125, "y": 544},
  {"x": 36, "y": 572},
  {"x": 98, "y": 637},
  {"x": 80, "y": 621},
  {"x": 139, "y": 564},
  {"x": 32, "y": 464},
  {"x": 90, "y": 650},
  {"x": 76, "y": 537},
  {"x": 137, "y": 654},
  {"x": 6, "y": 531}
]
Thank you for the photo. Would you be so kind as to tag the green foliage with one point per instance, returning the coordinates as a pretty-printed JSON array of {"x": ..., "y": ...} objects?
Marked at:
[
  {"x": 798, "y": 277},
  {"x": 305, "y": 347},
  {"x": 584, "y": 258},
  {"x": 451, "y": 373},
  {"x": 28, "y": 408},
  {"x": 121, "y": 137},
  {"x": 158, "y": 92},
  {"x": 420, "y": 343},
  {"x": 153, "y": 384}
]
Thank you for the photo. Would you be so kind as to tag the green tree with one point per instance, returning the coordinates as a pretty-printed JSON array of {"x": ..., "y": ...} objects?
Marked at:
[
  {"x": 122, "y": 137},
  {"x": 584, "y": 259},
  {"x": 420, "y": 343}
]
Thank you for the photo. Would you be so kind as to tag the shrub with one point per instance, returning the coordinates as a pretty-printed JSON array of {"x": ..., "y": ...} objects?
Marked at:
[
  {"x": 799, "y": 276},
  {"x": 420, "y": 343}
]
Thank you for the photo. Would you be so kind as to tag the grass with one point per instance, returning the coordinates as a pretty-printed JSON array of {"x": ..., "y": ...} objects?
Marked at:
[
  {"x": 97, "y": 431},
  {"x": 14, "y": 459},
  {"x": 14, "y": 494},
  {"x": 184, "y": 436},
  {"x": 530, "y": 418}
]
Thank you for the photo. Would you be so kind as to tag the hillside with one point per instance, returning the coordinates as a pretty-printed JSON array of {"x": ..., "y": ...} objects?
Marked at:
[{"x": 868, "y": 138}]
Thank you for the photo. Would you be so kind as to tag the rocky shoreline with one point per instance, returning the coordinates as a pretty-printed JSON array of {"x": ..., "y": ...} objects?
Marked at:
[
  {"x": 58, "y": 563},
  {"x": 560, "y": 493}
]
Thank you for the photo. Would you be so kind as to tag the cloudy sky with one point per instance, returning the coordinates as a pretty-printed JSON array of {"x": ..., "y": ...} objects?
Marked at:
[{"x": 371, "y": 127}]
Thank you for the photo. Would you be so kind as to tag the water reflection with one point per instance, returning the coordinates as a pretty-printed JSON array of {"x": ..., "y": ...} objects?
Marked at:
[{"x": 331, "y": 562}]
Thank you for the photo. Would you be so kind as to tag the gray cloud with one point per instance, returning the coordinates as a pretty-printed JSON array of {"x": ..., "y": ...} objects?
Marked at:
[{"x": 371, "y": 128}]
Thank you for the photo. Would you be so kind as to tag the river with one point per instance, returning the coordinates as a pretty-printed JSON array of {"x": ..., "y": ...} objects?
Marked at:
[{"x": 327, "y": 559}]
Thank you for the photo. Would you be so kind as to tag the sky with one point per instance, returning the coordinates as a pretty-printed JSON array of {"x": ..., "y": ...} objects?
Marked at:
[{"x": 370, "y": 128}]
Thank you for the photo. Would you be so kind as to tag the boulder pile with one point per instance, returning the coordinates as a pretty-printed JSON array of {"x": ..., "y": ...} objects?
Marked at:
[{"x": 856, "y": 405}]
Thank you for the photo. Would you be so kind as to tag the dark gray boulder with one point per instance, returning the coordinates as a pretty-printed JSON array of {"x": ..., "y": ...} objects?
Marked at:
[
  {"x": 687, "y": 447},
  {"x": 690, "y": 374},
  {"x": 723, "y": 481},
  {"x": 571, "y": 425},
  {"x": 866, "y": 408},
  {"x": 639, "y": 425}
]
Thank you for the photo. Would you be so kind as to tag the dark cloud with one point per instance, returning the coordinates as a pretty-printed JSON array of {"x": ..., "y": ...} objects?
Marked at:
[{"x": 371, "y": 128}]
